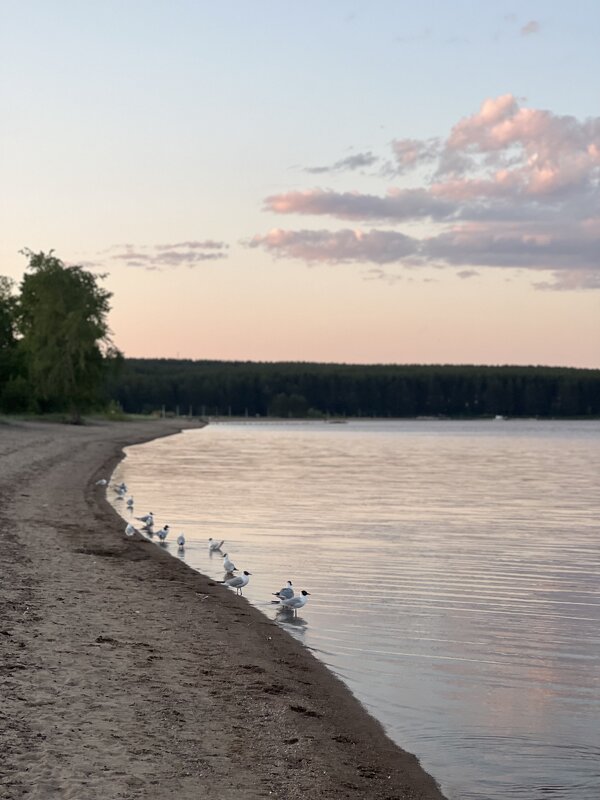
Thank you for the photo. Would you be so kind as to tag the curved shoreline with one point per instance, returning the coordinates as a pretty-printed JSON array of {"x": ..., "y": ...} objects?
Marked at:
[{"x": 132, "y": 675}]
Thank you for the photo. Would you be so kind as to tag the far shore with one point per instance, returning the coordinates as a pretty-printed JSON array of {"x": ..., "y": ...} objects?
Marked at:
[{"x": 126, "y": 674}]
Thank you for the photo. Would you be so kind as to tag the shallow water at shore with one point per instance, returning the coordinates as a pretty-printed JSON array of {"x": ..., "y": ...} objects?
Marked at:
[{"x": 453, "y": 571}]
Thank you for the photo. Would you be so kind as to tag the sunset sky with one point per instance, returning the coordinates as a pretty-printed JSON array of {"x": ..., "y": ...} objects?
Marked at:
[{"x": 318, "y": 181}]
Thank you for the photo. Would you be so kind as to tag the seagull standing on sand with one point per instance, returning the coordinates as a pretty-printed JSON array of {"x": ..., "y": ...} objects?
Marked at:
[
  {"x": 228, "y": 565},
  {"x": 213, "y": 545},
  {"x": 181, "y": 541},
  {"x": 163, "y": 533},
  {"x": 130, "y": 530},
  {"x": 238, "y": 582},
  {"x": 286, "y": 593},
  {"x": 296, "y": 602}
]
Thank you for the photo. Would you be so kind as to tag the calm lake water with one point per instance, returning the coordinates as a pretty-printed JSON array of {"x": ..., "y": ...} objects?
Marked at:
[{"x": 453, "y": 568}]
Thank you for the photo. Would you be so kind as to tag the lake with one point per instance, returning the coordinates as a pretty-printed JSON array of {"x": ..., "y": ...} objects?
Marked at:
[{"x": 453, "y": 571}]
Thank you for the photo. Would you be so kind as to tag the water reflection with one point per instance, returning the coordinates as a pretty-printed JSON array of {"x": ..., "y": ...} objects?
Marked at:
[
  {"x": 453, "y": 571},
  {"x": 292, "y": 623}
]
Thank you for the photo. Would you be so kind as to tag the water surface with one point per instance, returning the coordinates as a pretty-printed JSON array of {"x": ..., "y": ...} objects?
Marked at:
[{"x": 453, "y": 570}]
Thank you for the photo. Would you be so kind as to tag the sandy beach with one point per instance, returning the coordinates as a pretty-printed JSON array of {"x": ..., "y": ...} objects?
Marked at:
[{"x": 125, "y": 674}]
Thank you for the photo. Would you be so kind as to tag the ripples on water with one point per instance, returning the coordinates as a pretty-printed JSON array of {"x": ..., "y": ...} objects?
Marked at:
[{"x": 453, "y": 570}]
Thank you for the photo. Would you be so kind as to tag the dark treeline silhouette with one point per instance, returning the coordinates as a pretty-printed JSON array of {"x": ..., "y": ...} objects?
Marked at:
[{"x": 217, "y": 388}]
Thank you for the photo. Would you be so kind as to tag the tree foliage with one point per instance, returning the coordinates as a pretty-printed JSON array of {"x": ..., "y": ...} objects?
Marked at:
[
  {"x": 312, "y": 390},
  {"x": 61, "y": 334}
]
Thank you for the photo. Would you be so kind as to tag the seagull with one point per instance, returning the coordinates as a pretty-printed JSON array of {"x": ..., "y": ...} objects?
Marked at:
[
  {"x": 121, "y": 488},
  {"x": 214, "y": 545},
  {"x": 238, "y": 582},
  {"x": 181, "y": 541},
  {"x": 101, "y": 482},
  {"x": 163, "y": 533},
  {"x": 286, "y": 593},
  {"x": 130, "y": 530},
  {"x": 147, "y": 519},
  {"x": 296, "y": 602},
  {"x": 228, "y": 565},
  {"x": 130, "y": 503}
]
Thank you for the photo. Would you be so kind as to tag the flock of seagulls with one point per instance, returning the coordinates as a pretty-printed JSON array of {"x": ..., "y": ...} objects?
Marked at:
[{"x": 286, "y": 597}]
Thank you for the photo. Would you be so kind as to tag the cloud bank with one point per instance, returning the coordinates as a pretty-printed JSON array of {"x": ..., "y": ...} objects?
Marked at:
[{"x": 510, "y": 186}]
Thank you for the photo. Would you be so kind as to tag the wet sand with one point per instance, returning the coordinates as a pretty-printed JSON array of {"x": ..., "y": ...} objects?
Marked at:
[{"x": 125, "y": 674}]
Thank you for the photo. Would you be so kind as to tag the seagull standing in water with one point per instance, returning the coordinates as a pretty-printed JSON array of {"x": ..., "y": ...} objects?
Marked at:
[
  {"x": 284, "y": 594},
  {"x": 228, "y": 564},
  {"x": 296, "y": 602},
  {"x": 148, "y": 520},
  {"x": 130, "y": 503},
  {"x": 213, "y": 545},
  {"x": 181, "y": 541},
  {"x": 163, "y": 533},
  {"x": 238, "y": 582}
]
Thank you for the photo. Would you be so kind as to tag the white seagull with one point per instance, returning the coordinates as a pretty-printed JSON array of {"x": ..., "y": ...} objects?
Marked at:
[
  {"x": 181, "y": 541},
  {"x": 147, "y": 519},
  {"x": 286, "y": 593},
  {"x": 228, "y": 565},
  {"x": 163, "y": 533},
  {"x": 130, "y": 530},
  {"x": 238, "y": 582},
  {"x": 296, "y": 602},
  {"x": 213, "y": 545}
]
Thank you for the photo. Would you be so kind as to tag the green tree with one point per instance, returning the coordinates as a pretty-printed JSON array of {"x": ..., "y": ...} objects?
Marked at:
[
  {"x": 8, "y": 315},
  {"x": 13, "y": 389},
  {"x": 66, "y": 343}
]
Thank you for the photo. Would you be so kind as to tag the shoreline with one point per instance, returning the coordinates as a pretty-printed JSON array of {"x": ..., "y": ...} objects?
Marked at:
[{"x": 129, "y": 674}]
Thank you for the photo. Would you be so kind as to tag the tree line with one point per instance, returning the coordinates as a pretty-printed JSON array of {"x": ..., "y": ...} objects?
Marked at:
[
  {"x": 56, "y": 355},
  {"x": 217, "y": 388}
]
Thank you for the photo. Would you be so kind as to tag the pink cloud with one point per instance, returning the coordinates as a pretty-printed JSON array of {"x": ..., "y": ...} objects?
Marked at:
[
  {"x": 399, "y": 205},
  {"x": 510, "y": 186},
  {"x": 544, "y": 153},
  {"x": 533, "y": 26},
  {"x": 410, "y": 153},
  {"x": 379, "y": 247},
  {"x": 166, "y": 256}
]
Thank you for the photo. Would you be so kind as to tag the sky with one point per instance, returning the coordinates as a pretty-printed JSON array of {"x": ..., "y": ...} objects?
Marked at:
[{"x": 357, "y": 182}]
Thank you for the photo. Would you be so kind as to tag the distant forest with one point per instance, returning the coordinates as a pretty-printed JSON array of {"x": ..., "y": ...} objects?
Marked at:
[{"x": 221, "y": 388}]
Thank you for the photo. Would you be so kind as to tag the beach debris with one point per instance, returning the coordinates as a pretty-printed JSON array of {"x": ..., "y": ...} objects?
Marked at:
[
  {"x": 284, "y": 594},
  {"x": 130, "y": 530},
  {"x": 238, "y": 582},
  {"x": 102, "y": 482},
  {"x": 214, "y": 545},
  {"x": 294, "y": 603},
  {"x": 228, "y": 564}
]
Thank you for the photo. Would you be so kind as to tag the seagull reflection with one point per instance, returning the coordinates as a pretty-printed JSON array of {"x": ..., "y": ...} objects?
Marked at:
[
  {"x": 289, "y": 617},
  {"x": 294, "y": 625}
]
